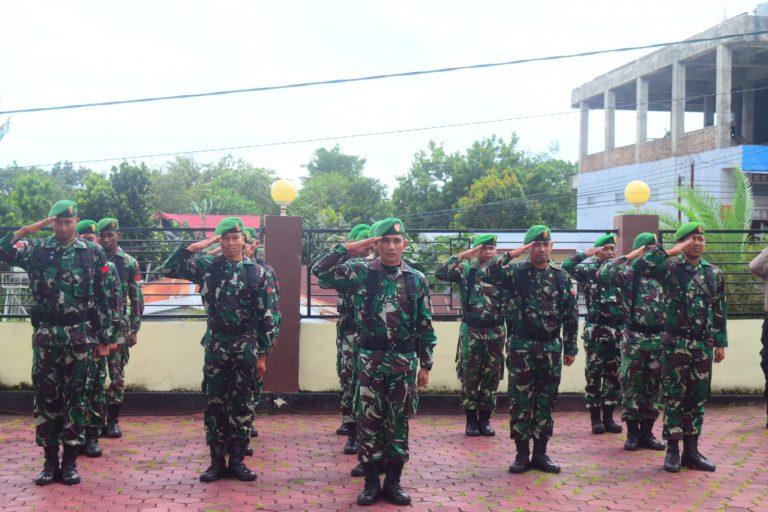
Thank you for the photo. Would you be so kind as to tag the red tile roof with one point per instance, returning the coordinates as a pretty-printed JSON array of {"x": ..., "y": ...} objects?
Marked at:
[{"x": 194, "y": 220}]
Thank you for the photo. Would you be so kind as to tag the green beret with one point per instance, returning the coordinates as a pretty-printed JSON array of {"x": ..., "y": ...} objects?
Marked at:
[
  {"x": 689, "y": 228},
  {"x": 487, "y": 239},
  {"x": 388, "y": 226},
  {"x": 86, "y": 226},
  {"x": 363, "y": 235},
  {"x": 229, "y": 225},
  {"x": 644, "y": 239},
  {"x": 537, "y": 233},
  {"x": 608, "y": 238},
  {"x": 108, "y": 224},
  {"x": 64, "y": 208},
  {"x": 356, "y": 231},
  {"x": 251, "y": 235}
]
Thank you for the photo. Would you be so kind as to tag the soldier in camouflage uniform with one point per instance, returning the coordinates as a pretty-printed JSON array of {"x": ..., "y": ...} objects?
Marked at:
[
  {"x": 640, "y": 371},
  {"x": 65, "y": 276},
  {"x": 759, "y": 267},
  {"x": 602, "y": 334},
  {"x": 695, "y": 316},
  {"x": 239, "y": 336},
  {"x": 480, "y": 352},
  {"x": 130, "y": 319},
  {"x": 544, "y": 302},
  {"x": 391, "y": 304},
  {"x": 97, "y": 371}
]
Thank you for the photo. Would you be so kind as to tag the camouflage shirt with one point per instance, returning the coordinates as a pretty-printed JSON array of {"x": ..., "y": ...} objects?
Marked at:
[
  {"x": 483, "y": 303},
  {"x": 603, "y": 299},
  {"x": 235, "y": 298},
  {"x": 273, "y": 293},
  {"x": 130, "y": 277},
  {"x": 692, "y": 301},
  {"x": 66, "y": 281},
  {"x": 390, "y": 314},
  {"x": 115, "y": 294},
  {"x": 543, "y": 301}
]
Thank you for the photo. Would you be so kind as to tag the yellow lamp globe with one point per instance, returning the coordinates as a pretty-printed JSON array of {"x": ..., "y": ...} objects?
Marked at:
[
  {"x": 283, "y": 193},
  {"x": 637, "y": 193}
]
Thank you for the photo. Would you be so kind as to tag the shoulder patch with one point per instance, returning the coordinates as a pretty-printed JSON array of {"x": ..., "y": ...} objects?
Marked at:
[{"x": 105, "y": 269}]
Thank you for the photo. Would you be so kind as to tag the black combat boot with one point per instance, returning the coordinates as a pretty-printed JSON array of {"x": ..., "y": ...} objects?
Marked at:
[
  {"x": 484, "y": 424},
  {"x": 358, "y": 470},
  {"x": 342, "y": 430},
  {"x": 672, "y": 458},
  {"x": 254, "y": 432},
  {"x": 237, "y": 467},
  {"x": 69, "y": 473},
  {"x": 647, "y": 439},
  {"x": 113, "y": 418},
  {"x": 392, "y": 491},
  {"x": 218, "y": 466},
  {"x": 248, "y": 452},
  {"x": 372, "y": 490},
  {"x": 350, "y": 448},
  {"x": 633, "y": 436},
  {"x": 597, "y": 420},
  {"x": 610, "y": 425},
  {"x": 51, "y": 472},
  {"x": 92, "y": 448},
  {"x": 472, "y": 429},
  {"x": 522, "y": 459},
  {"x": 691, "y": 456},
  {"x": 540, "y": 460}
]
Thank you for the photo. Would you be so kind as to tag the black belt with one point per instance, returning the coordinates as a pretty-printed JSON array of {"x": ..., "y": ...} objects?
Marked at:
[
  {"x": 65, "y": 320},
  {"x": 599, "y": 319},
  {"x": 482, "y": 324},
  {"x": 230, "y": 329},
  {"x": 385, "y": 344},
  {"x": 645, "y": 329},
  {"x": 685, "y": 332},
  {"x": 539, "y": 335}
]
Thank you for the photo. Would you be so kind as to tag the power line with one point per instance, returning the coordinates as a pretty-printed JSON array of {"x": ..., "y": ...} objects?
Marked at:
[{"x": 377, "y": 77}]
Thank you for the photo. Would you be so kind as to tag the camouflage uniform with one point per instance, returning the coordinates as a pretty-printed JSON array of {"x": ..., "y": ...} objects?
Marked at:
[
  {"x": 240, "y": 329},
  {"x": 480, "y": 353},
  {"x": 602, "y": 333},
  {"x": 71, "y": 308},
  {"x": 130, "y": 322},
  {"x": 395, "y": 328},
  {"x": 273, "y": 295},
  {"x": 641, "y": 341},
  {"x": 695, "y": 315},
  {"x": 544, "y": 302}
]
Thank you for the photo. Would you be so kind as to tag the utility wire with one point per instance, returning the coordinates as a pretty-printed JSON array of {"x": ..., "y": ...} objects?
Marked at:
[{"x": 378, "y": 77}]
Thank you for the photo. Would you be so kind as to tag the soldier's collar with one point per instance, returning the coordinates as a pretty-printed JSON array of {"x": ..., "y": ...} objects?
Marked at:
[
  {"x": 377, "y": 266},
  {"x": 120, "y": 252}
]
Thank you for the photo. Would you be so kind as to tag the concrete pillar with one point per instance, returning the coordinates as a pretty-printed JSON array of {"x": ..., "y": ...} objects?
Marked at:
[
  {"x": 724, "y": 77},
  {"x": 583, "y": 130},
  {"x": 629, "y": 226},
  {"x": 677, "y": 128},
  {"x": 748, "y": 113},
  {"x": 641, "y": 107},
  {"x": 282, "y": 250},
  {"x": 709, "y": 110},
  {"x": 609, "y": 104}
]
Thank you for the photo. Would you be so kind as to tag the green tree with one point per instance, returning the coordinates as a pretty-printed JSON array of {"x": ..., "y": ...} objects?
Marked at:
[
  {"x": 98, "y": 199},
  {"x": 237, "y": 187},
  {"x": 132, "y": 186},
  {"x": 66, "y": 174},
  {"x": 32, "y": 196},
  {"x": 492, "y": 202},
  {"x": 174, "y": 184},
  {"x": 334, "y": 161}
]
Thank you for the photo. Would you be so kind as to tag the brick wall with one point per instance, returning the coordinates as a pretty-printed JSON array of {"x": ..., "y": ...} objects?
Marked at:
[{"x": 696, "y": 141}]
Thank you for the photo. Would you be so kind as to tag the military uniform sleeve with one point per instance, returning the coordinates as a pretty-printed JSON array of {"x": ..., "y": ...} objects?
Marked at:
[
  {"x": 425, "y": 331},
  {"x": 570, "y": 320},
  {"x": 265, "y": 319},
  {"x": 184, "y": 264},
  {"x": 103, "y": 294},
  {"x": 572, "y": 266},
  {"x": 719, "y": 311},
  {"x": 759, "y": 265},
  {"x": 612, "y": 271},
  {"x": 273, "y": 299},
  {"x": 112, "y": 287},
  {"x": 18, "y": 255},
  {"x": 497, "y": 271},
  {"x": 331, "y": 271},
  {"x": 135, "y": 296},
  {"x": 653, "y": 263},
  {"x": 449, "y": 270}
]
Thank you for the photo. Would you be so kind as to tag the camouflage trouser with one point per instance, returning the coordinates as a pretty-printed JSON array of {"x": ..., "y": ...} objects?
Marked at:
[
  {"x": 388, "y": 397},
  {"x": 258, "y": 387},
  {"x": 532, "y": 388},
  {"x": 640, "y": 382},
  {"x": 480, "y": 365},
  {"x": 229, "y": 387},
  {"x": 764, "y": 354},
  {"x": 686, "y": 374},
  {"x": 116, "y": 362},
  {"x": 59, "y": 377},
  {"x": 601, "y": 344},
  {"x": 97, "y": 399},
  {"x": 346, "y": 368}
]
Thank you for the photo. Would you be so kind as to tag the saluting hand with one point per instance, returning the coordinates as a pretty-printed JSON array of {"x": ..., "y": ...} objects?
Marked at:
[
  {"x": 469, "y": 253},
  {"x": 592, "y": 251},
  {"x": 677, "y": 249},
  {"x": 33, "y": 228},
  {"x": 517, "y": 251},
  {"x": 203, "y": 244},
  {"x": 360, "y": 247},
  {"x": 637, "y": 253}
]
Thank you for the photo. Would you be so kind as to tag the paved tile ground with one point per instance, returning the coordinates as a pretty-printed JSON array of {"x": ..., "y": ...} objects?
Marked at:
[{"x": 156, "y": 464}]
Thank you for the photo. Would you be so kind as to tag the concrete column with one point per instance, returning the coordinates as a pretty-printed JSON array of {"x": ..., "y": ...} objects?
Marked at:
[
  {"x": 629, "y": 226},
  {"x": 609, "y": 104},
  {"x": 677, "y": 128},
  {"x": 748, "y": 114},
  {"x": 641, "y": 107},
  {"x": 724, "y": 76},
  {"x": 709, "y": 110},
  {"x": 282, "y": 250},
  {"x": 583, "y": 130}
]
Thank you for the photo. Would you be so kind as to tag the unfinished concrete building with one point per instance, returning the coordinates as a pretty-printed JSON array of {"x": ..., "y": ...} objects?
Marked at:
[{"x": 715, "y": 84}]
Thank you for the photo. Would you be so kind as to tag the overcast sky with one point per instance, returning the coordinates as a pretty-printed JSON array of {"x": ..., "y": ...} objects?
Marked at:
[{"x": 56, "y": 53}]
